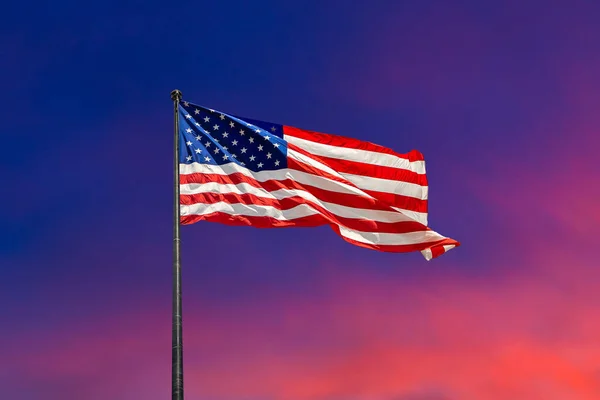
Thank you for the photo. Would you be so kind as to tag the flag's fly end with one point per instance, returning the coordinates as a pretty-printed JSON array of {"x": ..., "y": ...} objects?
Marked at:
[{"x": 438, "y": 250}]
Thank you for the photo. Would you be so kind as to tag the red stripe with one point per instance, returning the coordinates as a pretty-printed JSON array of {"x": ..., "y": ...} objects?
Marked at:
[
  {"x": 310, "y": 221},
  {"x": 437, "y": 251},
  {"x": 396, "y": 248},
  {"x": 386, "y": 200},
  {"x": 349, "y": 143},
  {"x": 364, "y": 169},
  {"x": 287, "y": 203},
  {"x": 403, "y": 202},
  {"x": 345, "y": 199},
  {"x": 304, "y": 167},
  {"x": 382, "y": 201},
  {"x": 258, "y": 222},
  {"x": 373, "y": 171}
]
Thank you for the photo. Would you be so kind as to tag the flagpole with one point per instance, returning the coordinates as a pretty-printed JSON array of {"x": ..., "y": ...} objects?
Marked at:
[{"x": 177, "y": 339}]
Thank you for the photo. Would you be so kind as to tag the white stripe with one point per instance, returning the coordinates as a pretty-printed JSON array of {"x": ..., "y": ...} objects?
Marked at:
[
  {"x": 294, "y": 155},
  {"x": 391, "y": 238},
  {"x": 252, "y": 210},
  {"x": 304, "y": 210},
  {"x": 364, "y": 156},
  {"x": 414, "y": 215},
  {"x": 339, "y": 210},
  {"x": 366, "y": 182},
  {"x": 278, "y": 175},
  {"x": 299, "y": 176},
  {"x": 216, "y": 187},
  {"x": 427, "y": 254},
  {"x": 388, "y": 186}
]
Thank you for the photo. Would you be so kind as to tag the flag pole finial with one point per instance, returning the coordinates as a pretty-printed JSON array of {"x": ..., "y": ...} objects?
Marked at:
[{"x": 176, "y": 95}]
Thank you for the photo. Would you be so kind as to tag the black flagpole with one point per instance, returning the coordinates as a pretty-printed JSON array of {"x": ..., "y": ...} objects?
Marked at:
[{"x": 177, "y": 351}]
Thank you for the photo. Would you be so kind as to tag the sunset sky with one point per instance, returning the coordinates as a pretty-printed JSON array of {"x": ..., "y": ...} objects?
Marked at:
[{"x": 502, "y": 98}]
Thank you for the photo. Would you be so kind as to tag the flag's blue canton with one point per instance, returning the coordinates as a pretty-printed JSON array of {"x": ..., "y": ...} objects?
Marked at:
[{"x": 211, "y": 137}]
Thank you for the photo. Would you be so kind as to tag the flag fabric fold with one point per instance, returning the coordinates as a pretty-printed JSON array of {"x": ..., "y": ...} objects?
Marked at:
[{"x": 241, "y": 171}]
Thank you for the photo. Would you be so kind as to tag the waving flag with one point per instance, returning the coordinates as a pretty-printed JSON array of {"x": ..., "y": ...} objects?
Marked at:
[{"x": 240, "y": 171}]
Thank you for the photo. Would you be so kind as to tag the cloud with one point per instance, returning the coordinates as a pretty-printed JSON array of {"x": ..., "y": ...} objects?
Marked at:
[{"x": 529, "y": 334}]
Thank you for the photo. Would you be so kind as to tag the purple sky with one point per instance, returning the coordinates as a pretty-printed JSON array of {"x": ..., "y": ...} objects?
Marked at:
[{"x": 501, "y": 99}]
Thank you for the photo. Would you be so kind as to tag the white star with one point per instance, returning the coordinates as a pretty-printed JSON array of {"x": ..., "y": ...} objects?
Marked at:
[
  {"x": 222, "y": 117},
  {"x": 231, "y": 124},
  {"x": 276, "y": 145},
  {"x": 207, "y": 159},
  {"x": 197, "y": 111},
  {"x": 225, "y": 148},
  {"x": 225, "y": 134},
  {"x": 249, "y": 125},
  {"x": 188, "y": 116},
  {"x": 216, "y": 127},
  {"x": 243, "y": 164},
  {"x": 197, "y": 124},
  {"x": 260, "y": 147},
  {"x": 269, "y": 155},
  {"x": 198, "y": 151},
  {"x": 198, "y": 138},
  {"x": 189, "y": 130},
  {"x": 234, "y": 142},
  {"x": 206, "y": 119},
  {"x": 242, "y": 132},
  {"x": 251, "y": 140},
  {"x": 188, "y": 143},
  {"x": 225, "y": 156},
  {"x": 273, "y": 129},
  {"x": 252, "y": 158},
  {"x": 257, "y": 131},
  {"x": 234, "y": 155},
  {"x": 276, "y": 163},
  {"x": 207, "y": 144},
  {"x": 217, "y": 150},
  {"x": 216, "y": 140},
  {"x": 211, "y": 110},
  {"x": 267, "y": 137},
  {"x": 185, "y": 103},
  {"x": 243, "y": 150},
  {"x": 259, "y": 165},
  {"x": 189, "y": 158}
]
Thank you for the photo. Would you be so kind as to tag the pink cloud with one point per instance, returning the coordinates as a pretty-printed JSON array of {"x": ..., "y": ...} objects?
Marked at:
[
  {"x": 517, "y": 338},
  {"x": 525, "y": 335}
]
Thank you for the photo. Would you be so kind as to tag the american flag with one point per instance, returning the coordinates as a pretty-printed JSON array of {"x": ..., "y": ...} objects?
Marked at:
[{"x": 241, "y": 171}]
